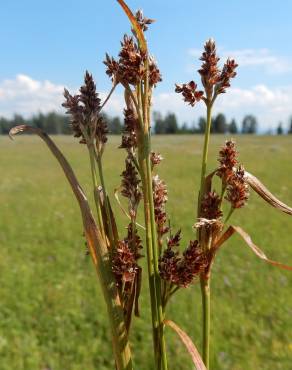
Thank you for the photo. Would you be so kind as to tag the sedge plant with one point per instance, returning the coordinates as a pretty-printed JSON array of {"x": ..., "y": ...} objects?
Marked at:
[{"x": 116, "y": 253}]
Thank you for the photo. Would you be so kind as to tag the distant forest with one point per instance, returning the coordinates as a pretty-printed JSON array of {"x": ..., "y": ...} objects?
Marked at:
[{"x": 55, "y": 123}]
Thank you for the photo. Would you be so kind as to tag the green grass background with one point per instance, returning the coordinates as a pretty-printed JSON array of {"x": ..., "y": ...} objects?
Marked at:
[{"x": 52, "y": 315}]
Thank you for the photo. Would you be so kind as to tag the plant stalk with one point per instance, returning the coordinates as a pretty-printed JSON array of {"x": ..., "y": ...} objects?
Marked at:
[
  {"x": 205, "y": 281},
  {"x": 205, "y": 149},
  {"x": 205, "y": 291}
]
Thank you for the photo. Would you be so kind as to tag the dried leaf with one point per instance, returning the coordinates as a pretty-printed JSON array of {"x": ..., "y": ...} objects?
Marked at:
[
  {"x": 263, "y": 192},
  {"x": 246, "y": 237},
  {"x": 97, "y": 248},
  {"x": 197, "y": 360},
  {"x": 136, "y": 26}
]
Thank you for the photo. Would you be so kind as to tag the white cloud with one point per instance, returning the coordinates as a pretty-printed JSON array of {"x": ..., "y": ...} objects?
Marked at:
[
  {"x": 27, "y": 96},
  {"x": 254, "y": 58}
]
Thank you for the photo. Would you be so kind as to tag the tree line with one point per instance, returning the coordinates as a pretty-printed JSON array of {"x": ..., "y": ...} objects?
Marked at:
[{"x": 55, "y": 123}]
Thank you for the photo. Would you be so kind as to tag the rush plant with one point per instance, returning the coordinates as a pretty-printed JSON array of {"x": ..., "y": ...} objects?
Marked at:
[{"x": 115, "y": 253}]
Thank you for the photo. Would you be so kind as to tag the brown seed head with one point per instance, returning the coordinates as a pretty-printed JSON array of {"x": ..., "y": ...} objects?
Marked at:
[
  {"x": 131, "y": 186},
  {"x": 84, "y": 111},
  {"x": 76, "y": 113},
  {"x": 129, "y": 137},
  {"x": 124, "y": 264},
  {"x": 237, "y": 189},
  {"x": 211, "y": 206},
  {"x": 143, "y": 21},
  {"x": 228, "y": 161},
  {"x": 155, "y": 158},
  {"x": 209, "y": 71},
  {"x": 227, "y": 73},
  {"x": 189, "y": 92},
  {"x": 154, "y": 73},
  {"x": 160, "y": 199}
]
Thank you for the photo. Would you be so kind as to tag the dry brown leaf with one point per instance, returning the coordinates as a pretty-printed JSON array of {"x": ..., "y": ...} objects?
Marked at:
[
  {"x": 135, "y": 24},
  {"x": 195, "y": 355},
  {"x": 97, "y": 248},
  {"x": 263, "y": 192},
  {"x": 246, "y": 237}
]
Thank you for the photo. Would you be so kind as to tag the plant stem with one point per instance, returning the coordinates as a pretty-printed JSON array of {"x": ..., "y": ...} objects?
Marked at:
[
  {"x": 229, "y": 215},
  {"x": 205, "y": 283},
  {"x": 150, "y": 224},
  {"x": 205, "y": 150},
  {"x": 95, "y": 190},
  {"x": 106, "y": 202},
  {"x": 205, "y": 290}
]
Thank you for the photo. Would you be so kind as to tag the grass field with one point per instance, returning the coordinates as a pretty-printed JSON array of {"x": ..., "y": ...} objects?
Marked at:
[{"x": 52, "y": 315}]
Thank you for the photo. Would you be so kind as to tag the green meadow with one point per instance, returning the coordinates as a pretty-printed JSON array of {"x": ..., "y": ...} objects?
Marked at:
[{"x": 52, "y": 314}]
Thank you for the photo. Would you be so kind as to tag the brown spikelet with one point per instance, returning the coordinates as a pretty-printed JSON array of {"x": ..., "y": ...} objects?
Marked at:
[
  {"x": 142, "y": 21},
  {"x": 129, "y": 137},
  {"x": 209, "y": 71},
  {"x": 237, "y": 189},
  {"x": 228, "y": 161},
  {"x": 227, "y": 73},
  {"x": 189, "y": 92},
  {"x": 131, "y": 186},
  {"x": 160, "y": 199},
  {"x": 211, "y": 206}
]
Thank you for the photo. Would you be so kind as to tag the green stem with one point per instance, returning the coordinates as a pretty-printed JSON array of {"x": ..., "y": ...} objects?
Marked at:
[
  {"x": 229, "y": 215},
  {"x": 205, "y": 150},
  {"x": 162, "y": 347},
  {"x": 106, "y": 202},
  {"x": 205, "y": 290},
  {"x": 150, "y": 224},
  {"x": 95, "y": 190},
  {"x": 205, "y": 284}
]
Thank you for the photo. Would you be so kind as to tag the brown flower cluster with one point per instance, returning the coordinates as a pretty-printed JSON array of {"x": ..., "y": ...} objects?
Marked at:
[
  {"x": 209, "y": 71},
  {"x": 232, "y": 177},
  {"x": 84, "y": 110},
  {"x": 237, "y": 189},
  {"x": 160, "y": 199},
  {"x": 131, "y": 186},
  {"x": 213, "y": 80},
  {"x": 155, "y": 159},
  {"x": 129, "y": 137},
  {"x": 182, "y": 270},
  {"x": 228, "y": 161},
  {"x": 126, "y": 255},
  {"x": 189, "y": 92},
  {"x": 210, "y": 207},
  {"x": 227, "y": 73},
  {"x": 143, "y": 21},
  {"x": 131, "y": 67}
]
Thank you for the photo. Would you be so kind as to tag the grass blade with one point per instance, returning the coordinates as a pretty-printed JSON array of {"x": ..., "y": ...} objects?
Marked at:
[
  {"x": 99, "y": 253},
  {"x": 197, "y": 360},
  {"x": 263, "y": 192},
  {"x": 246, "y": 237},
  {"x": 136, "y": 26}
]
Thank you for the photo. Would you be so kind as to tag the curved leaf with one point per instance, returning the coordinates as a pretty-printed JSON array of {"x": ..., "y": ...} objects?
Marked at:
[
  {"x": 197, "y": 360},
  {"x": 263, "y": 192},
  {"x": 246, "y": 237},
  {"x": 98, "y": 251},
  {"x": 135, "y": 24}
]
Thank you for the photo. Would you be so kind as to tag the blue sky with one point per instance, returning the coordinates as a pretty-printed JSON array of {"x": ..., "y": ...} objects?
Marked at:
[{"x": 48, "y": 45}]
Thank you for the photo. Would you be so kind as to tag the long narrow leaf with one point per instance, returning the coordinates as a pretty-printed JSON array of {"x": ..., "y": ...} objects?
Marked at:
[
  {"x": 197, "y": 360},
  {"x": 263, "y": 192},
  {"x": 135, "y": 24},
  {"x": 246, "y": 237},
  {"x": 98, "y": 251}
]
